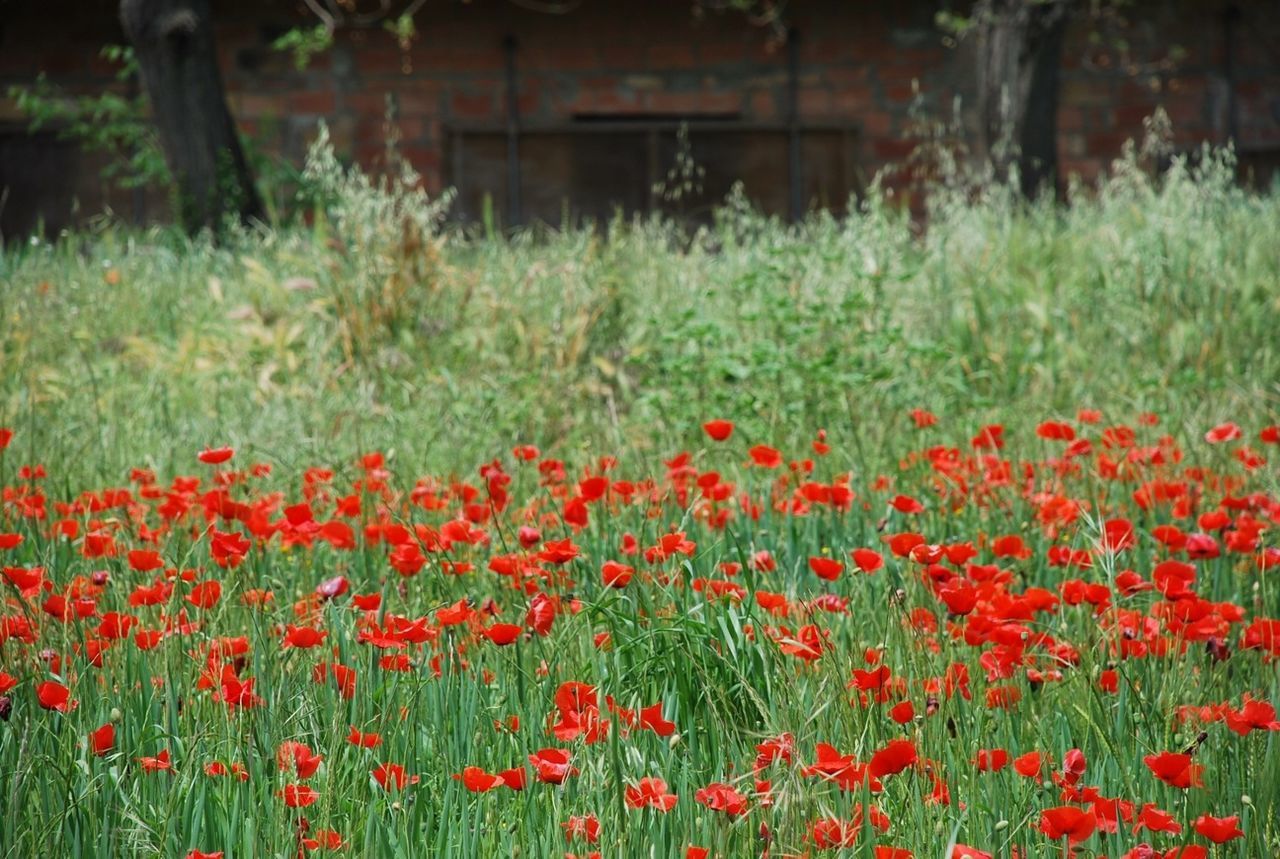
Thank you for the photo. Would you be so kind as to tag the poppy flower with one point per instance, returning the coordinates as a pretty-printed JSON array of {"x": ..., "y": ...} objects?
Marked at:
[
  {"x": 1229, "y": 431},
  {"x": 1252, "y": 716},
  {"x": 393, "y": 777},
  {"x": 159, "y": 763},
  {"x": 1156, "y": 819},
  {"x": 303, "y": 637},
  {"x": 324, "y": 839},
  {"x": 1175, "y": 769},
  {"x": 476, "y": 780},
  {"x": 1219, "y": 830},
  {"x": 765, "y": 456},
  {"x": 298, "y": 757},
  {"x": 102, "y": 740},
  {"x": 503, "y": 633},
  {"x": 651, "y": 792},
  {"x": 298, "y": 795},
  {"x": 829, "y": 832},
  {"x": 206, "y": 594},
  {"x": 52, "y": 695},
  {"x": 586, "y": 827},
  {"x": 902, "y": 712},
  {"x": 867, "y": 560},
  {"x": 200, "y": 854},
  {"x": 651, "y": 718},
  {"x": 896, "y": 756},
  {"x": 144, "y": 560},
  {"x": 719, "y": 796},
  {"x": 1068, "y": 821},
  {"x": 215, "y": 769},
  {"x": 616, "y": 575},
  {"x": 552, "y": 765},
  {"x": 718, "y": 430},
  {"x": 991, "y": 760},
  {"x": 215, "y": 455},
  {"x": 828, "y": 569},
  {"x": 515, "y": 778}
]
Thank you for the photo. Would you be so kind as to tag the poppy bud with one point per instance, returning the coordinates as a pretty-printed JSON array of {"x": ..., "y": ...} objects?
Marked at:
[
  {"x": 6, "y": 707},
  {"x": 116, "y": 715},
  {"x": 100, "y": 577},
  {"x": 1218, "y": 649}
]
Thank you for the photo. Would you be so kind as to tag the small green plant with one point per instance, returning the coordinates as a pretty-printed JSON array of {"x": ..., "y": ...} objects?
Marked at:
[
  {"x": 114, "y": 123},
  {"x": 305, "y": 43}
]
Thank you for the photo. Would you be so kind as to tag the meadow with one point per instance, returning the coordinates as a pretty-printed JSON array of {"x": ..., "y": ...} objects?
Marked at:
[{"x": 375, "y": 536}]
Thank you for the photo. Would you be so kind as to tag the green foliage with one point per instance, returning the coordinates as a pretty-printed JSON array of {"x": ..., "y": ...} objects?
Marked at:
[
  {"x": 110, "y": 122},
  {"x": 304, "y": 43},
  {"x": 382, "y": 325}
]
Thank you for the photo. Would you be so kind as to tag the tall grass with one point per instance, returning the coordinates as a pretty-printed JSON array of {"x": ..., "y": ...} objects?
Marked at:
[{"x": 380, "y": 327}]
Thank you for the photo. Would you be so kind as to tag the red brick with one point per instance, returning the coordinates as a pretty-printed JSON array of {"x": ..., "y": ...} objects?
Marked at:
[
  {"x": 670, "y": 57},
  {"x": 315, "y": 103},
  {"x": 466, "y": 105}
]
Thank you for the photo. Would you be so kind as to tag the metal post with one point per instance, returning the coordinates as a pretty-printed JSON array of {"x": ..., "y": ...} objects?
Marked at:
[
  {"x": 1230, "y": 17},
  {"x": 795, "y": 178},
  {"x": 513, "y": 134}
]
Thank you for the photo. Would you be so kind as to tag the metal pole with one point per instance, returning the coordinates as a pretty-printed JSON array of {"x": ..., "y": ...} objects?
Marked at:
[
  {"x": 795, "y": 178},
  {"x": 513, "y": 134},
  {"x": 1230, "y": 17}
]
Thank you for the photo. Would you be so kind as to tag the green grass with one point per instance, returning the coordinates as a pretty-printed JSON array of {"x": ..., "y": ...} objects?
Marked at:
[
  {"x": 379, "y": 329},
  {"x": 1160, "y": 297}
]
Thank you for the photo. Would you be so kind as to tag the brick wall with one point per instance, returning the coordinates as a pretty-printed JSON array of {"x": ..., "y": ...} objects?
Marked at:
[{"x": 860, "y": 64}]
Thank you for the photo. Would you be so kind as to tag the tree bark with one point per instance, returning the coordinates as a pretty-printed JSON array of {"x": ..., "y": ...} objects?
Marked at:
[
  {"x": 1019, "y": 47},
  {"x": 173, "y": 42}
]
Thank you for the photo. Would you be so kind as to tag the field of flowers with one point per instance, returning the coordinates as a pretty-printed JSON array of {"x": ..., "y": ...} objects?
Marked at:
[{"x": 830, "y": 540}]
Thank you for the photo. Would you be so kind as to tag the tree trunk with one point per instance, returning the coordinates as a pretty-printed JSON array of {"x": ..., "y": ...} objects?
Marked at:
[
  {"x": 1019, "y": 46},
  {"x": 173, "y": 42}
]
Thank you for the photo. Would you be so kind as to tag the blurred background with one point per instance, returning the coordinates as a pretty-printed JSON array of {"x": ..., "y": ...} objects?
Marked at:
[{"x": 556, "y": 112}]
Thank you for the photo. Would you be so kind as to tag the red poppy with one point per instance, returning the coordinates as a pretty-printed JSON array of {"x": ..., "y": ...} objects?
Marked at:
[
  {"x": 826, "y": 568},
  {"x": 867, "y": 560},
  {"x": 1068, "y": 821},
  {"x": 765, "y": 456},
  {"x": 298, "y": 757},
  {"x": 102, "y": 740},
  {"x": 1229, "y": 431},
  {"x": 145, "y": 560},
  {"x": 1175, "y": 769},
  {"x": 298, "y": 795},
  {"x": 303, "y": 637},
  {"x": 586, "y": 827},
  {"x": 991, "y": 760},
  {"x": 896, "y": 756},
  {"x": 651, "y": 792},
  {"x": 1252, "y": 716},
  {"x": 719, "y": 796},
  {"x": 393, "y": 777},
  {"x": 476, "y": 780},
  {"x": 1156, "y": 820},
  {"x": 552, "y": 765},
  {"x": 206, "y": 594},
  {"x": 616, "y": 575},
  {"x": 718, "y": 430},
  {"x": 1218, "y": 829},
  {"x": 215, "y": 455},
  {"x": 52, "y": 695},
  {"x": 503, "y": 633},
  {"x": 159, "y": 763}
]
